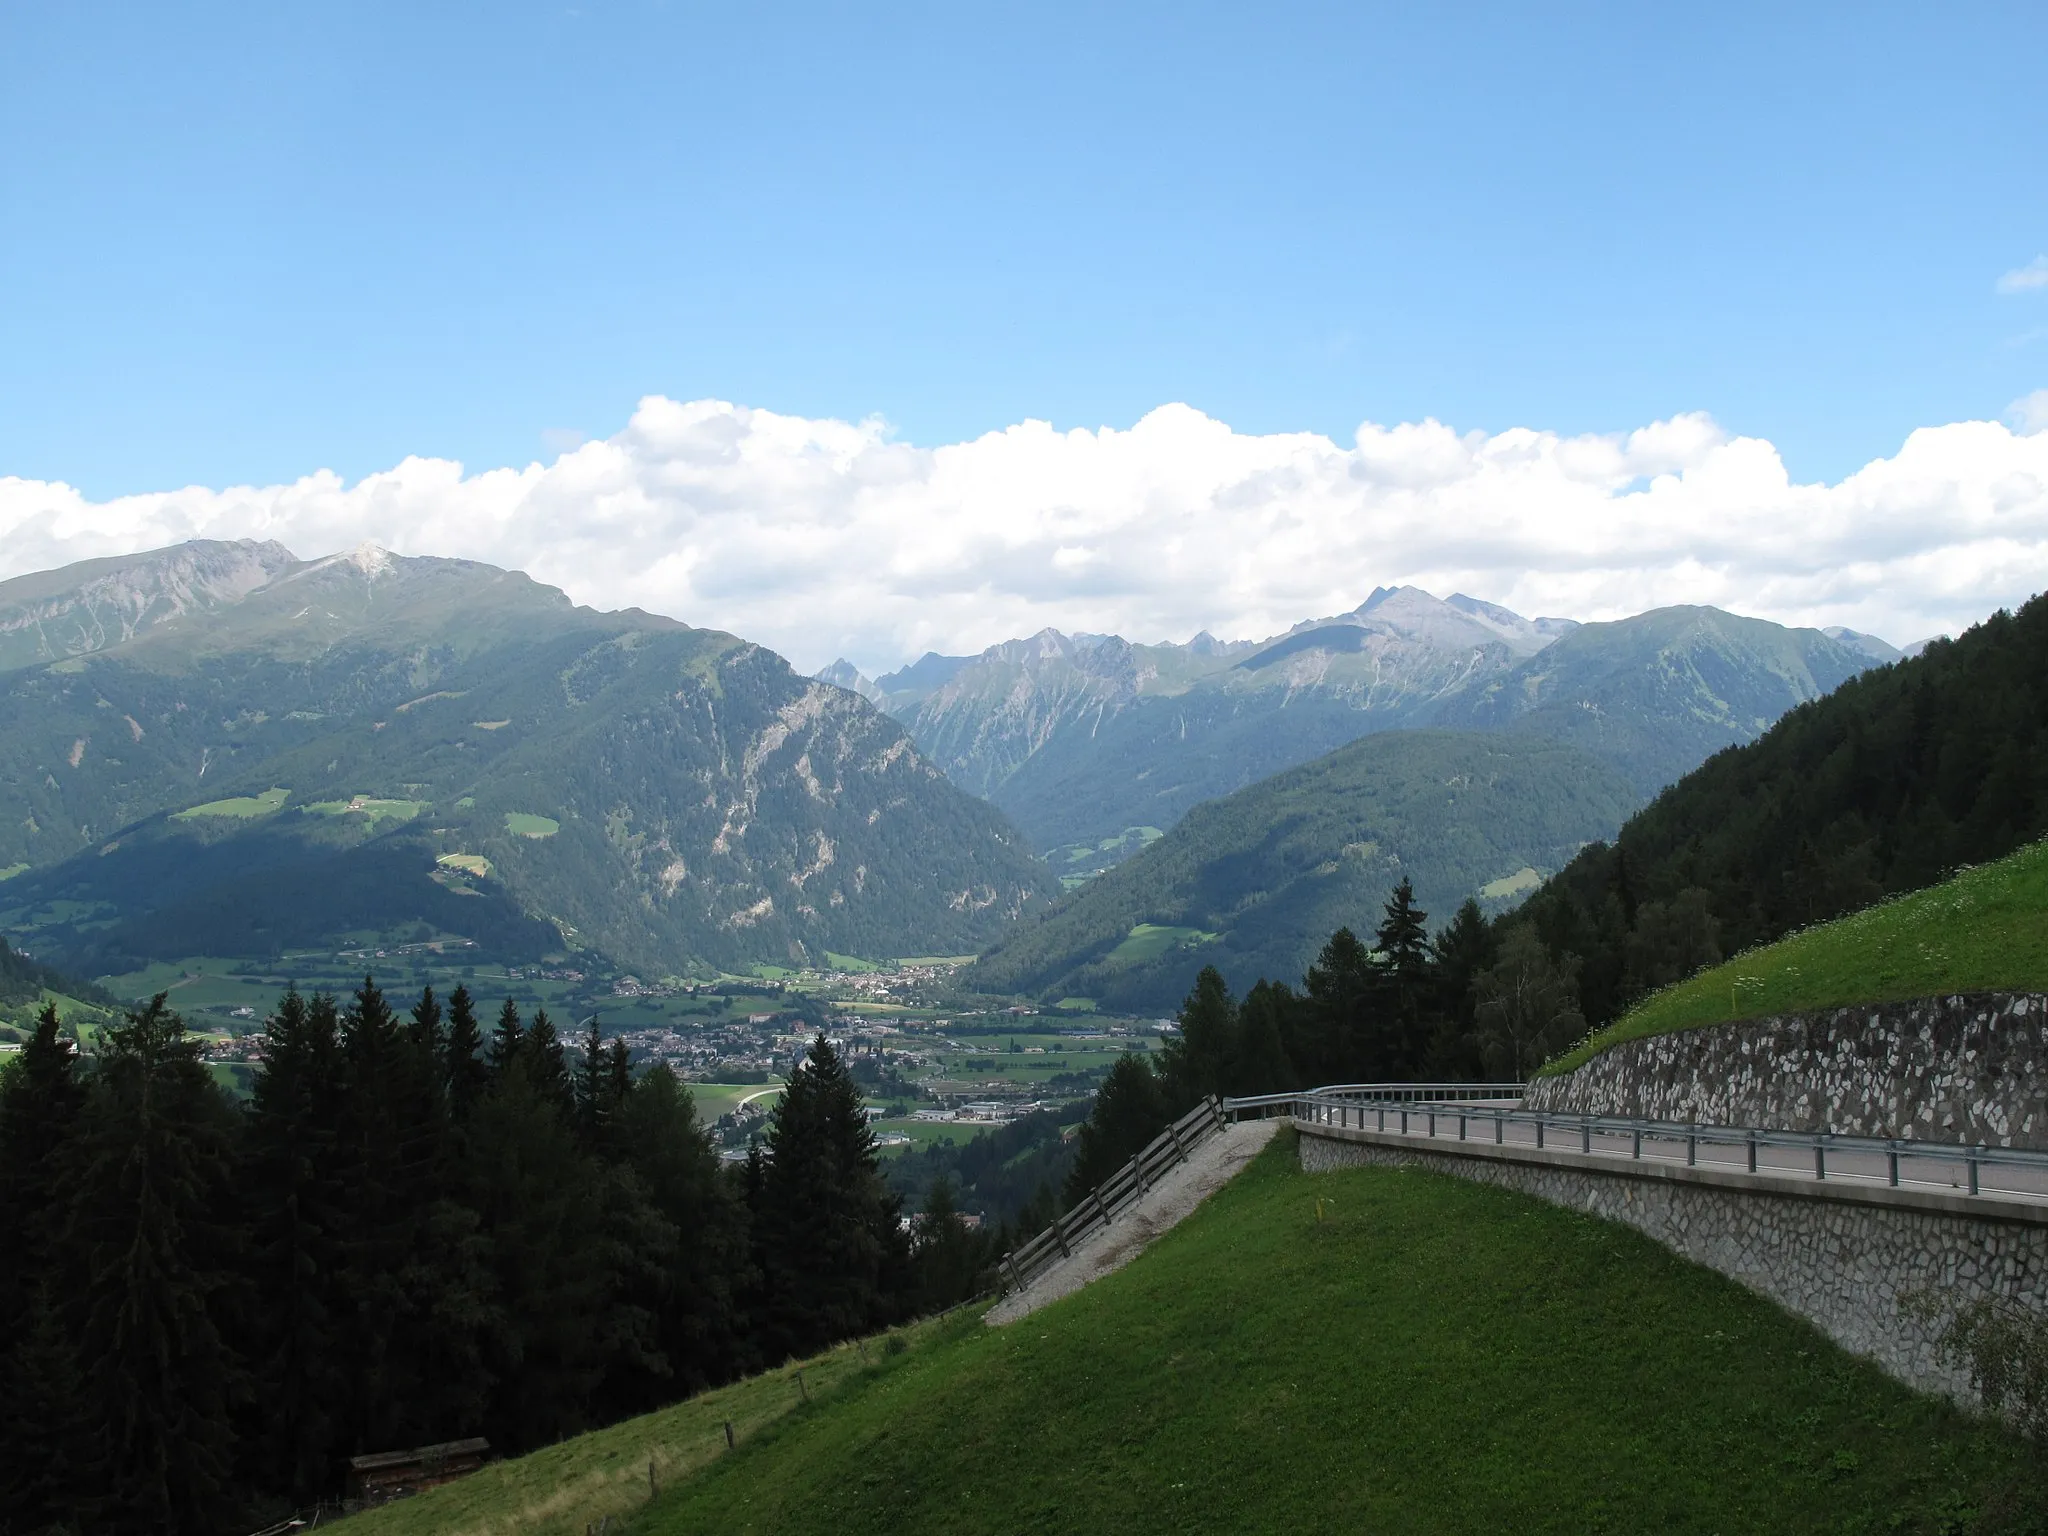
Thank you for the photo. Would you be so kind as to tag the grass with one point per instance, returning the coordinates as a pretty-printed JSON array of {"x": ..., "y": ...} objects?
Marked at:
[
  {"x": 1431, "y": 1355},
  {"x": 12, "y": 870},
  {"x": 468, "y": 863},
  {"x": 369, "y": 806},
  {"x": 525, "y": 824},
  {"x": 567, "y": 1488},
  {"x": 238, "y": 807},
  {"x": 716, "y": 1099},
  {"x": 850, "y": 963},
  {"x": 1523, "y": 879},
  {"x": 1984, "y": 930},
  {"x": 1148, "y": 941}
]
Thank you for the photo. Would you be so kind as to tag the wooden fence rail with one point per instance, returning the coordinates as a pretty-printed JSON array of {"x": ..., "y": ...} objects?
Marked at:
[{"x": 1113, "y": 1196}]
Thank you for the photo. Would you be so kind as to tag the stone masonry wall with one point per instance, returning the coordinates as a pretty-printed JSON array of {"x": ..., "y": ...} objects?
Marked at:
[
  {"x": 1958, "y": 1069},
  {"x": 1841, "y": 1265}
]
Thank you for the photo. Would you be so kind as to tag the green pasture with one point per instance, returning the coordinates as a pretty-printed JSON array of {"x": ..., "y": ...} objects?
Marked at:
[
  {"x": 601, "y": 1478},
  {"x": 239, "y": 807},
  {"x": 1148, "y": 941},
  {"x": 526, "y": 824},
  {"x": 1984, "y": 930},
  {"x": 1379, "y": 1350},
  {"x": 716, "y": 1099}
]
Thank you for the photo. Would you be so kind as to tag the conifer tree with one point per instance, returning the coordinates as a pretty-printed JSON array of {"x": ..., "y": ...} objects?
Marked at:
[
  {"x": 42, "y": 1093},
  {"x": 1260, "y": 1064},
  {"x": 51, "y": 1478},
  {"x": 835, "y": 1260},
  {"x": 549, "y": 1064},
  {"x": 465, "y": 1071},
  {"x": 291, "y": 1179},
  {"x": 1128, "y": 1112},
  {"x": 508, "y": 1038},
  {"x": 1337, "y": 1038},
  {"x": 151, "y": 1188},
  {"x": 1193, "y": 1064},
  {"x": 1405, "y": 984}
]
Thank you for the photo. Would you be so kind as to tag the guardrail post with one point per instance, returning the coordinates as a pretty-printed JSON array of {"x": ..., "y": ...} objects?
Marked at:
[
  {"x": 1971, "y": 1161},
  {"x": 1539, "y": 1133},
  {"x": 1637, "y": 1151},
  {"x": 1692, "y": 1149},
  {"x": 1016, "y": 1280},
  {"x": 1059, "y": 1235},
  {"x": 1461, "y": 1127},
  {"x": 1820, "y": 1159},
  {"x": 1432, "y": 1125},
  {"x": 1383, "y": 1117},
  {"x": 1500, "y": 1128},
  {"x": 1891, "y": 1160},
  {"x": 1586, "y": 1137},
  {"x": 1404, "y": 1122},
  {"x": 1180, "y": 1150},
  {"x": 1752, "y": 1151}
]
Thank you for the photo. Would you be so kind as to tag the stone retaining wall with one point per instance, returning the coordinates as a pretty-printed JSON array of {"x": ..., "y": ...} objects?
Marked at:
[
  {"x": 1972, "y": 1068},
  {"x": 1840, "y": 1263}
]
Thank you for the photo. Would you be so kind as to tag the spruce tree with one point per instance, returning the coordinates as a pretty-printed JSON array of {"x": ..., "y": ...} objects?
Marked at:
[
  {"x": 292, "y": 1182},
  {"x": 51, "y": 1478},
  {"x": 1193, "y": 1064},
  {"x": 549, "y": 1064},
  {"x": 1337, "y": 1037},
  {"x": 1260, "y": 1064},
  {"x": 150, "y": 1179},
  {"x": 835, "y": 1259},
  {"x": 464, "y": 1071},
  {"x": 508, "y": 1038},
  {"x": 1129, "y": 1111},
  {"x": 42, "y": 1094}
]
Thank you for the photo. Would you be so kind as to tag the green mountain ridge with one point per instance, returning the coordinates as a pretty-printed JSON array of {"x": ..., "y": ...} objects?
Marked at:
[
  {"x": 1253, "y": 883},
  {"x": 426, "y": 719},
  {"x": 1081, "y": 738}
]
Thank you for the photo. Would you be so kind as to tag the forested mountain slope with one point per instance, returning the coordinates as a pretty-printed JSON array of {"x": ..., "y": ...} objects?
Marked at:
[
  {"x": 1659, "y": 693},
  {"x": 1896, "y": 777},
  {"x": 1082, "y": 739},
  {"x": 1255, "y": 882},
  {"x": 371, "y": 745}
]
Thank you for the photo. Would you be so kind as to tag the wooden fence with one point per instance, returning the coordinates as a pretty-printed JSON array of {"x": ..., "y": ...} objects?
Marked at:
[{"x": 1114, "y": 1195}]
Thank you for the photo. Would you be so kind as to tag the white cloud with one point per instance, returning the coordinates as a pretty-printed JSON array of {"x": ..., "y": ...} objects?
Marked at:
[
  {"x": 827, "y": 537},
  {"x": 2030, "y": 412},
  {"x": 2024, "y": 279}
]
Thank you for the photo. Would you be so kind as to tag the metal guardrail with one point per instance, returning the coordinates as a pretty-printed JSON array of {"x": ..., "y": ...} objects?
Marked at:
[
  {"x": 1484, "y": 1112},
  {"x": 1115, "y": 1194}
]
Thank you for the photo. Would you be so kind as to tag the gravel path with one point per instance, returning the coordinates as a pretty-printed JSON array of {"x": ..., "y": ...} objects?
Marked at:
[{"x": 1207, "y": 1170}]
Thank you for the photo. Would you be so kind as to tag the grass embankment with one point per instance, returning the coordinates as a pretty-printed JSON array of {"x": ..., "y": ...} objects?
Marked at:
[
  {"x": 1986, "y": 930},
  {"x": 566, "y": 1488},
  {"x": 1432, "y": 1355}
]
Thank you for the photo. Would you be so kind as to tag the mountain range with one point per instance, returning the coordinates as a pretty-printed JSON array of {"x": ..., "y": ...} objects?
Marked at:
[
  {"x": 1252, "y": 883},
  {"x": 1091, "y": 740},
  {"x": 222, "y": 749}
]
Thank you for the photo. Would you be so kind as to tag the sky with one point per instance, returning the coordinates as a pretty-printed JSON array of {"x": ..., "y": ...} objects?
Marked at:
[{"x": 867, "y": 330}]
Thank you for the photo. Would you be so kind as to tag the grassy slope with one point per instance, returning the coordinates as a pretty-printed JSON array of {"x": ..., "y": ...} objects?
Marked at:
[
  {"x": 1985, "y": 930},
  {"x": 1435, "y": 1356},
  {"x": 579, "y": 1482}
]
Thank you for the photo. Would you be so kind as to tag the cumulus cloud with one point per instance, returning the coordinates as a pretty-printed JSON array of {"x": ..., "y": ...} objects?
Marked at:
[
  {"x": 2030, "y": 412},
  {"x": 2025, "y": 279},
  {"x": 823, "y": 537}
]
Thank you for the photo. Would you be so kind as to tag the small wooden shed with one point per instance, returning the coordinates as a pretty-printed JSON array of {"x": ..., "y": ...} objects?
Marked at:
[{"x": 394, "y": 1474}]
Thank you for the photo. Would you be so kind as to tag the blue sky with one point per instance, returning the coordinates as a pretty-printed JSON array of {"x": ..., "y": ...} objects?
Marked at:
[{"x": 244, "y": 242}]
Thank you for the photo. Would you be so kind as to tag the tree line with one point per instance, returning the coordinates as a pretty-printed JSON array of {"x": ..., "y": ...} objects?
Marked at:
[
  {"x": 1886, "y": 785},
  {"x": 414, "y": 1230},
  {"x": 1472, "y": 1001}
]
